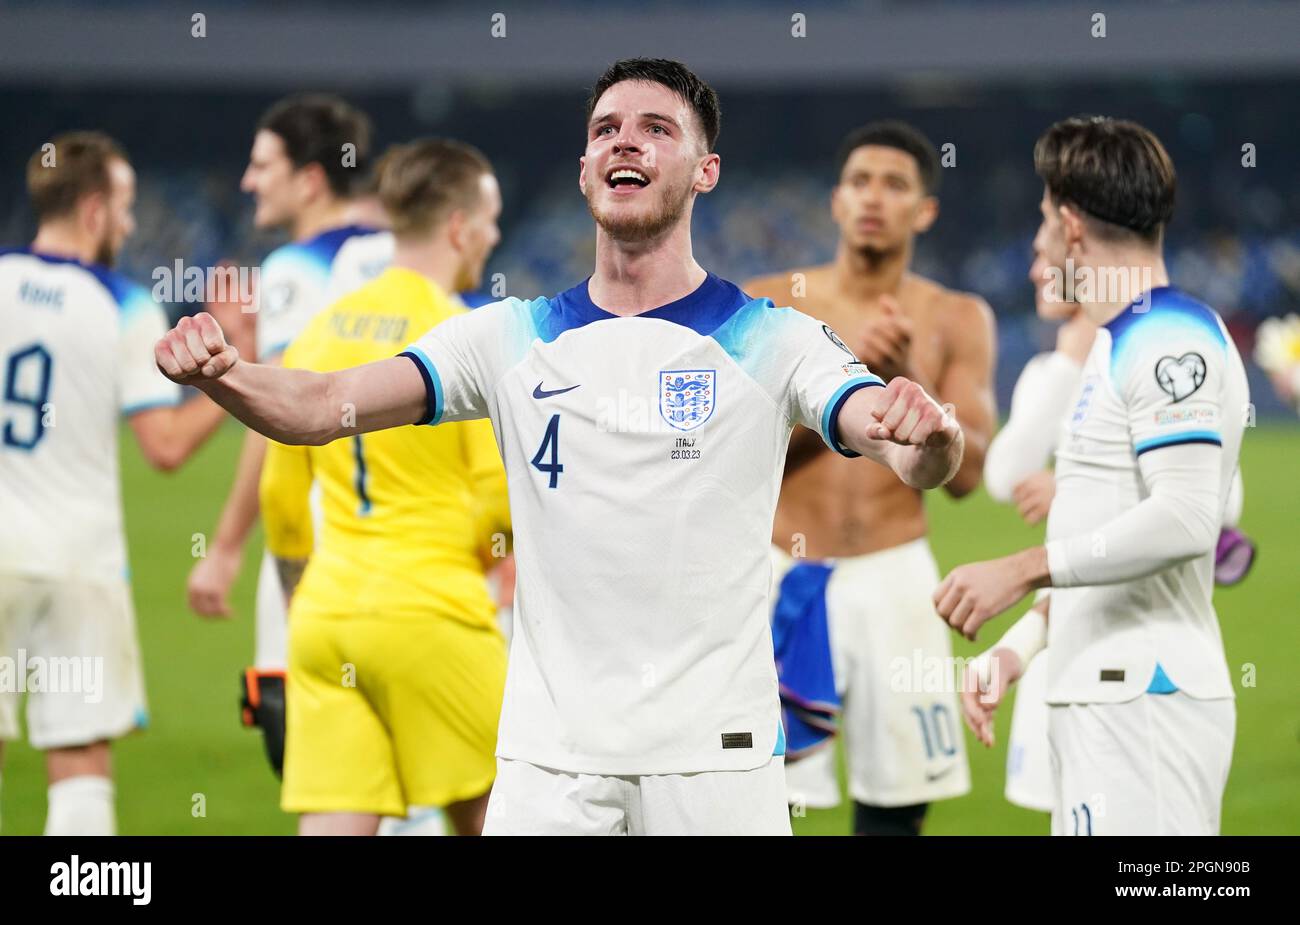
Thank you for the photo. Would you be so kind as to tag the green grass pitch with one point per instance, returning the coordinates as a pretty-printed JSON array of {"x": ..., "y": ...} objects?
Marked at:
[{"x": 196, "y": 771}]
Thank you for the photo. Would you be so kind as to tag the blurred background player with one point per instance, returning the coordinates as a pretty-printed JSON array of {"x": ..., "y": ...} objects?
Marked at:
[
  {"x": 1018, "y": 470},
  {"x": 76, "y": 351},
  {"x": 1142, "y": 719},
  {"x": 1014, "y": 471},
  {"x": 310, "y": 153},
  {"x": 395, "y": 587},
  {"x": 361, "y": 257},
  {"x": 904, "y": 748}
]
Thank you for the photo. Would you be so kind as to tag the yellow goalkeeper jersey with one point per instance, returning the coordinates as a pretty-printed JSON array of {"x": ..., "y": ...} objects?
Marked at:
[{"x": 410, "y": 513}]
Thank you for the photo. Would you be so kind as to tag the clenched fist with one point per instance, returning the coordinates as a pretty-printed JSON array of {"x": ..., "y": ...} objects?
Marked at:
[
  {"x": 973, "y": 594},
  {"x": 906, "y": 415},
  {"x": 195, "y": 350}
]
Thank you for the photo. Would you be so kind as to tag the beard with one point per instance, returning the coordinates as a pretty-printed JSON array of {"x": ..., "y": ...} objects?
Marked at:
[
  {"x": 645, "y": 227},
  {"x": 875, "y": 254}
]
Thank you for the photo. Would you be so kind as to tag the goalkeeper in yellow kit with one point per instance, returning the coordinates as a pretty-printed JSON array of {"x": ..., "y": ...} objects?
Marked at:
[{"x": 396, "y": 663}]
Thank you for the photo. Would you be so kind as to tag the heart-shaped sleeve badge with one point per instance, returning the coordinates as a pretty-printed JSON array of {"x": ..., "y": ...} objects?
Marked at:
[{"x": 1181, "y": 377}]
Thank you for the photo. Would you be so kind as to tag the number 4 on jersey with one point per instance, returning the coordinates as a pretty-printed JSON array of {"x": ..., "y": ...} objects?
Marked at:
[{"x": 551, "y": 441}]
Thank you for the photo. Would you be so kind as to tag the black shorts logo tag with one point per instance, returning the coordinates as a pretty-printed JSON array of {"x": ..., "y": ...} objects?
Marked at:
[{"x": 737, "y": 740}]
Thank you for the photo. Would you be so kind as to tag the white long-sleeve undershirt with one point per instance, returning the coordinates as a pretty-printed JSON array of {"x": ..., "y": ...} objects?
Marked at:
[
  {"x": 1039, "y": 403},
  {"x": 1179, "y": 520}
]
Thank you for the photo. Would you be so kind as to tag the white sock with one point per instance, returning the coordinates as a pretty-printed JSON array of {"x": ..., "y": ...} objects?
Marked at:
[{"x": 81, "y": 806}]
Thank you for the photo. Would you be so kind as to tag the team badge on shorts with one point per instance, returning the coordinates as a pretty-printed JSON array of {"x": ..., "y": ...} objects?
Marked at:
[{"x": 687, "y": 396}]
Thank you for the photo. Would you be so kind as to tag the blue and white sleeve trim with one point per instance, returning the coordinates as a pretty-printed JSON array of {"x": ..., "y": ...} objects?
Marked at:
[
  {"x": 1187, "y": 436},
  {"x": 830, "y": 416},
  {"x": 432, "y": 384}
]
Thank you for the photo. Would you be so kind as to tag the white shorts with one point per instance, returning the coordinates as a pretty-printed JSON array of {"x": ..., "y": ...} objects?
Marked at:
[
  {"x": 531, "y": 800},
  {"x": 1029, "y": 760},
  {"x": 71, "y": 647},
  {"x": 892, "y": 658},
  {"x": 271, "y": 631},
  {"x": 1155, "y": 765}
]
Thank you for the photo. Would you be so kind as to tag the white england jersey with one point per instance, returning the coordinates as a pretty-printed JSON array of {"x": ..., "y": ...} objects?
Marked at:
[
  {"x": 300, "y": 279},
  {"x": 1163, "y": 375},
  {"x": 644, "y": 457},
  {"x": 76, "y": 348}
]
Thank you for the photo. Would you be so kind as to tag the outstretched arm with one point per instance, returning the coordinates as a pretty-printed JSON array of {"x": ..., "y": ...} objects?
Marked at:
[
  {"x": 902, "y": 427},
  {"x": 292, "y": 406}
]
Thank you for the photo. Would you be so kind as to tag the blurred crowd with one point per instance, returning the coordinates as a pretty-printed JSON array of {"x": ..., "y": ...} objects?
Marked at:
[{"x": 1235, "y": 239}]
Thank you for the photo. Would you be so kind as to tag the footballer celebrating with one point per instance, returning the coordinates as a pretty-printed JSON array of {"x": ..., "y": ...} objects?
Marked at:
[{"x": 643, "y": 417}]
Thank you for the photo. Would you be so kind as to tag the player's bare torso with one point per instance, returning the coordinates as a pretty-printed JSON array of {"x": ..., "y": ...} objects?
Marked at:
[{"x": 838, "y": 506}]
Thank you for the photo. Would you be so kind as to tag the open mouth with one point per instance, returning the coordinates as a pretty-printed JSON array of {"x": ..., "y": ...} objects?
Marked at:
[{"x": 627, "y": 178}]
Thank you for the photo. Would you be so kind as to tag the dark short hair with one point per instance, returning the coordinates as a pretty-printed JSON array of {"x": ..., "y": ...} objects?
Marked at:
[
  {"x": 423, "y": 181},
  {"x": 676, "y": 77},
  {"x": 1115, "y": 171},
  {"x": 899, "y": 135},
  {"x": 314, "y": 128},
  {"x": 77, "y": 166}
]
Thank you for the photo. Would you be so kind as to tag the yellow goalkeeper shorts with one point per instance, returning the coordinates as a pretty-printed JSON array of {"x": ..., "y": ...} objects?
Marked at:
[{"x": 389, "y": 712}]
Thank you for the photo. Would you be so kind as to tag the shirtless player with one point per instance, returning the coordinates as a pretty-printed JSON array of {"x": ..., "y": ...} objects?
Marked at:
[{"x": 902, "y": 735}]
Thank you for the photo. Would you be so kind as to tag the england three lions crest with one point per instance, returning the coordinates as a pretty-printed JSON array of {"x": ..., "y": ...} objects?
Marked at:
[{"x": 687, "y": 396}]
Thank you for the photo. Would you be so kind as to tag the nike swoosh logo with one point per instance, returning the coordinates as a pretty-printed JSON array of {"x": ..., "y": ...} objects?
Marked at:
[
  {"x": 539, "y": 392},
  {"x": 932, "y": 777}
]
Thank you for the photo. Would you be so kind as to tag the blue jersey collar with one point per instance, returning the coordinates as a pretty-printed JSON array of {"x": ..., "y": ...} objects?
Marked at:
[
  {"x": 1152, "y": 298},
  {"x": 704, "y": 310}
]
